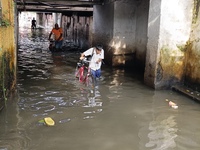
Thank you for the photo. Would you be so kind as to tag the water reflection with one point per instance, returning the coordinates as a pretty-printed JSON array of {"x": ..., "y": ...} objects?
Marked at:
[
  {"x": 162, "y": 134},
  {"x": 94, "y": 100}
]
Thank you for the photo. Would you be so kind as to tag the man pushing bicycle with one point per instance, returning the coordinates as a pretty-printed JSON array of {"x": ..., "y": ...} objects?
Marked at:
[{"x": 97, "y": 55}]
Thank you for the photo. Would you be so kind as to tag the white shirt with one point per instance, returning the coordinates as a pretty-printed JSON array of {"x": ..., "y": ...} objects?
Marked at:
[{"x": 93, "y": 65}]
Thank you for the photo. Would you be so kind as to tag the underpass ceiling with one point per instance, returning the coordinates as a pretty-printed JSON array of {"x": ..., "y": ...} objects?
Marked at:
[{"x": 57, "y": 5}]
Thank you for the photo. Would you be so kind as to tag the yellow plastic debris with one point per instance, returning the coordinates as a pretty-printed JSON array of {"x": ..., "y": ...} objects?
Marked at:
[{"x": 49, "y": 121}]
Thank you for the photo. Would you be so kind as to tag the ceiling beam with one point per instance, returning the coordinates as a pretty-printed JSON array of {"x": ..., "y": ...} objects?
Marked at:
[
  {"x": 69, "y": 3},
  {"x": 61, "y": 5},
  {"x": 61, "y": 0},
  {"x": 49, "y": 9}
]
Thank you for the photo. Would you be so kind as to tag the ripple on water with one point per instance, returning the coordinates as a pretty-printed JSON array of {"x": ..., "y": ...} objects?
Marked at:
[
  {"x": 65, "y": 120},
  {"x": 43, "y": 114},
  {"x": 88, "y": 117},
  {"x": 51, "y": 92}
]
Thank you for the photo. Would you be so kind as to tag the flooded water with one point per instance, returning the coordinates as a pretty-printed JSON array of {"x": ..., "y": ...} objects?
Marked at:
[{"x": 121, "y": 113}]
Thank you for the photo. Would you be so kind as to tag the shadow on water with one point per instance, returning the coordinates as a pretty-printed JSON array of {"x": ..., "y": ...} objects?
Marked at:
[{"x": 120, "y": 113}]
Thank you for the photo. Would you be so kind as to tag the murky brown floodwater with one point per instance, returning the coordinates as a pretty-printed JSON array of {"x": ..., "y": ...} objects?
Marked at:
[{"x": 120, "y": 114}]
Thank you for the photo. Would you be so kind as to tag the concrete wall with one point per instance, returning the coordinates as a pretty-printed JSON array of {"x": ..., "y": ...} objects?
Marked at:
[
  {"x": 124, "y": 37},
  {"x": 103, "y": 24},
  {"x": 7, "y": 49},
  {"x": 122, "y": 27},
  {"x": 169, "y": 29},
  {"x": 192, "y": 65}
]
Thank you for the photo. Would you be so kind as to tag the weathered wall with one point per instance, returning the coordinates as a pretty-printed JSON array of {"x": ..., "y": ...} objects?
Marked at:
[
  {"x": 7, "y": 49},
  {"x": 169, "y": 29},
  {"x": 192, "y": 69}
]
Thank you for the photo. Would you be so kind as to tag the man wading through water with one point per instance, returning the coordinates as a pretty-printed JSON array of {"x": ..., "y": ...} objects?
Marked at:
[
  {"x": 97, "y": 54},
  {"x": 58, "y": 37}
]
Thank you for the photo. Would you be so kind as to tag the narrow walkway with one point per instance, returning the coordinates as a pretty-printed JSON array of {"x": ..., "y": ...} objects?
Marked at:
[{"x": 187, "y": 91}]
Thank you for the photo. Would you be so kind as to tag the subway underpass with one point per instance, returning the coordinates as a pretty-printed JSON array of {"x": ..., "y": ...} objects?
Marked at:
[{"x": 120, "y": 113}]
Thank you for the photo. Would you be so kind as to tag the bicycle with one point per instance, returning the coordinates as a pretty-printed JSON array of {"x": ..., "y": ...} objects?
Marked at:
[
  {"x": 52, "y": 46},
  {"x": 83, "y": 73}
]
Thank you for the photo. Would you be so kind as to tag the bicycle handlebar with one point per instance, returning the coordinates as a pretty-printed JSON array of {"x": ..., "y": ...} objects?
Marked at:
[{"x": 84, "y": 60}]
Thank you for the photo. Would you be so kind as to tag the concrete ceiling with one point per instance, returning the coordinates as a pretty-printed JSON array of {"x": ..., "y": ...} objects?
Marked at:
[{"x": 57, "y": 5}]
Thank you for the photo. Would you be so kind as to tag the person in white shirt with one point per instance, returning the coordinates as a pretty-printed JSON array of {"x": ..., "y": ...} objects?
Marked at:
[{"x": 97, "y": 54}]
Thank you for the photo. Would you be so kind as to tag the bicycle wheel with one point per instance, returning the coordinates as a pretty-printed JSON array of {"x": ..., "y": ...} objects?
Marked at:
[
  {"x": 79, "y": 74},
  {"x": 82, "y": 74}
]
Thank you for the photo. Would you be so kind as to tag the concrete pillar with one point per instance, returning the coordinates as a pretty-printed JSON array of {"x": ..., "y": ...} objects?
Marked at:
[
  {"x": 169, "y": 27},
  {"x": 57, "y": 18},
  {"x": 44, "y": 20},
  {"x": 49, "y": 23},
  {"x": 40, "y": 20}
]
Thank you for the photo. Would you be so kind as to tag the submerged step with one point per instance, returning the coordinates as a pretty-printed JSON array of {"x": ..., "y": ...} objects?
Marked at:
[{"x": 187, "y": 91}]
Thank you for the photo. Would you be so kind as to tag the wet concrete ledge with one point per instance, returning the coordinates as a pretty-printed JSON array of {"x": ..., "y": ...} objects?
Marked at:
[{"x": 187, "y": 91}]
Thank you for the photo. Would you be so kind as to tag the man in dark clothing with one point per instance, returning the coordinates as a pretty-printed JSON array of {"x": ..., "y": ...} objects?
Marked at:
[{"x": 33, "y": 23}]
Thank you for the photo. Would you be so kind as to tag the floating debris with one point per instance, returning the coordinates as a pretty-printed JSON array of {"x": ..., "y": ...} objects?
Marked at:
[
  {"x": 188, "y": 91},
  {"x": 173, "y": 105},
  {"x": 49, "y": 121}
]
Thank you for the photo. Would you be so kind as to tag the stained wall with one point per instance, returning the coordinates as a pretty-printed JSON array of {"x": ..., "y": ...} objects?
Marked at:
[
  {"x": 192, "y": 51},
  {"x": 7, "y": 49},
  {"x": 169, "y": 28}
]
